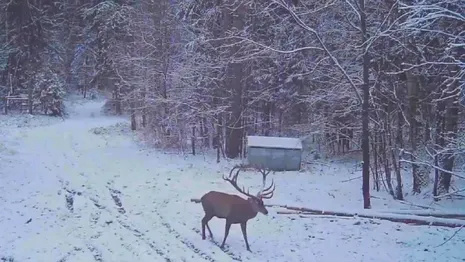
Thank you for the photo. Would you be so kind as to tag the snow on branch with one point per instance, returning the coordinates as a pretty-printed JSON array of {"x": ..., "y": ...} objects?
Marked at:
[
  {"x": 300, "y": 49},
  {"x": 433, "y": 166},
  {"x": 309, "y": 29}
]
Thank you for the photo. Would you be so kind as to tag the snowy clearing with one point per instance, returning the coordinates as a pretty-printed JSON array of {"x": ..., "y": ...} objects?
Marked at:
[{"x": 82, "y": 189}]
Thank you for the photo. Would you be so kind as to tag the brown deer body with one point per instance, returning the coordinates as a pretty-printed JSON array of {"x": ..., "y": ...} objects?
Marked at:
[{"x": 233, "y": 208}]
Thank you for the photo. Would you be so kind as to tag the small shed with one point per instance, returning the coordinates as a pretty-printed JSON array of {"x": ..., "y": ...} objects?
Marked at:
[{"x": 275, "y": 153}]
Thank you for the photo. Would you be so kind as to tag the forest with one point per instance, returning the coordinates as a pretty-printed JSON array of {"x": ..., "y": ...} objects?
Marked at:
[{"x": 382, "y": 78}]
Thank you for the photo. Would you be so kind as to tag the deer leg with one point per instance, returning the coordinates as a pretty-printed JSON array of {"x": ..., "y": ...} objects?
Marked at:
[
  {"x": 203, "y": 228},
  {"x": 226, "y": 232},
  {"x": 244, "y": 233},
  {"x": 209, "y": 231},
  {"x": 205, "y": 220}
]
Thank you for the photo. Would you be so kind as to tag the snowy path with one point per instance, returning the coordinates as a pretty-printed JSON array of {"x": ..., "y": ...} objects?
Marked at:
[
  {"x": 71, "y": 192},
  {"x": 88, "y": 220}
]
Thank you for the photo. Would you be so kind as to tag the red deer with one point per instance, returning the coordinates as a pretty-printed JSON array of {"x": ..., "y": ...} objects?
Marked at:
[{"x": 233, "y": 208}]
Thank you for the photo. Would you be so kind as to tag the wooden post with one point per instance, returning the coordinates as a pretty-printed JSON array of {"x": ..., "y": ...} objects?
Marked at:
[
  {"x": 6, "y": 104},
  {"x": 30, "y": 99}
]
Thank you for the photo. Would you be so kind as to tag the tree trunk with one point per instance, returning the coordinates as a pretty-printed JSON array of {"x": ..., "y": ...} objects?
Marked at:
[
  {"x": 451, "y": 121},
  {"x": 384, "y": 149},
  {"x": 412, "y": 89},
  {"x": 132, "y": 105},
  {"x": 365, "y": 112},
  {"x": 439, "y": 141},
  {"x": 375, "y": 147},
  {"x": 193, "y": 140},
  {"x": 204, "y": 132},
  {"x": 396, "y": 159},
  {"x": 234, "y": 82},
  {"x": 118, "y": 106},
  {"x": 218, "y": 138},
  {"x": 267, "y": 118},
  {"x": 30, "y": 99},
  {"x": 144, "y": 109}
]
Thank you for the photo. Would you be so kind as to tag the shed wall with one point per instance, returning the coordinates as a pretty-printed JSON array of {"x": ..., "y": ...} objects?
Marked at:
[{"x": 277, "y": 159}]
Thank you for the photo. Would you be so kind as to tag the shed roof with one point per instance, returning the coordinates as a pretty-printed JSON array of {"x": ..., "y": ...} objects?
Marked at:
[{"x": 274, "y": 142}]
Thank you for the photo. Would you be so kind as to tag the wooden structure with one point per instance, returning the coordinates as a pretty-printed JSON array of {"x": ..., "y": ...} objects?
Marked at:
[
  {"x": 274, "y": 153},
  {"x": 19, "y": 102}
]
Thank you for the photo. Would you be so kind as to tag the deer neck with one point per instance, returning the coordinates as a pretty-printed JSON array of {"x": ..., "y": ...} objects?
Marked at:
[{"x": 251, "y": 213}]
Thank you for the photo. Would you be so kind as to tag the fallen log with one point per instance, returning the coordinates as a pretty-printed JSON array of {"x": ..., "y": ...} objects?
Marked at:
[
  {"x": 427, "y": 213},
  {"x": 398, "y": 218},
  {"x": 445, "y": 216},
  {"x": 295, "y": 213},
  {"x": 421, "y": 213},
  {"x": 331, "y": 218},
  {"x": 309, "y": 215}
]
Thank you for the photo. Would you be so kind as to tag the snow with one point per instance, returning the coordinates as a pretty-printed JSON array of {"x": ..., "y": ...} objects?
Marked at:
[
  {"x": 274, "y": 142},
  {"x": 132, "y": 203}
]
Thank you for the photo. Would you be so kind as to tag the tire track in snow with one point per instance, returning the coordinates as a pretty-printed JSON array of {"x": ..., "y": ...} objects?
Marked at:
[
  {"x": 171, "y": 232},
  {"x": 136, "y": 232},
  {"x": 96, "y": 253},
  {"x": 145, "y": 239},
  {"x": 226, "y": 250},
  {"x": 192, "y": 246},
  {"x": 115, "y": 196},
  {"x": 124, "y": 221},
  {"x": 167, "y": 238},
  {"x": 187, "y": 243}
]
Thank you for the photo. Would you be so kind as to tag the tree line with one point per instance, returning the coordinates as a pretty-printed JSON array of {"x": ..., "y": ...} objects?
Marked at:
[{"x": 383, "y": 77}]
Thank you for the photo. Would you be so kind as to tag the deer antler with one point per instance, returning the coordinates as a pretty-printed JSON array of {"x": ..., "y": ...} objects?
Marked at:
[
  {"x": 232, "y": 179},
  {"x": 268, "y": 192},
  {"x": 265, "y": 193}
]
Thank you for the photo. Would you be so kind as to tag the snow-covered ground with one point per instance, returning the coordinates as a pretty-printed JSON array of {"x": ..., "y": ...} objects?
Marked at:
[{"x": 83, "y": 189}]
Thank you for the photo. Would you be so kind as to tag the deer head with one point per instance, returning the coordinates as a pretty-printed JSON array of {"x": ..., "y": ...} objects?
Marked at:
[{"x": 255, "y": 201}]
